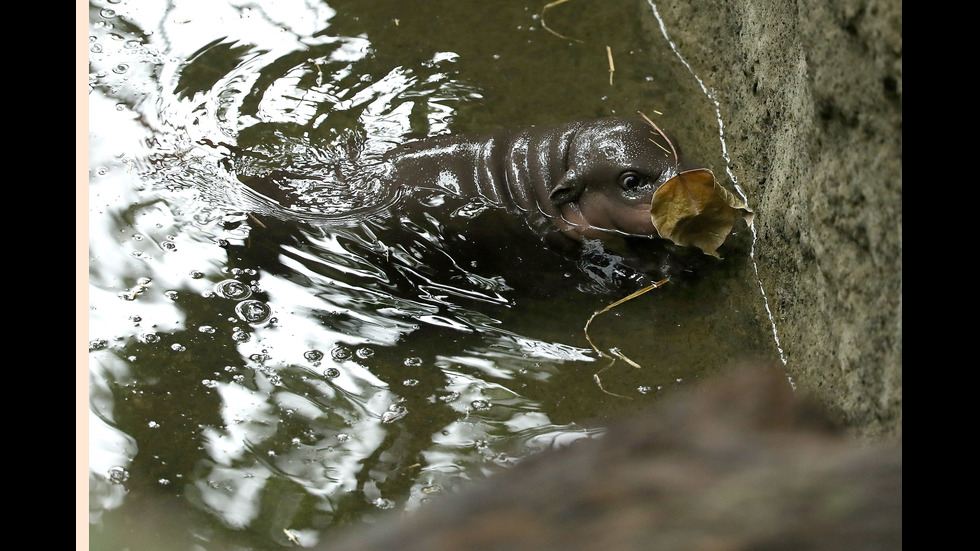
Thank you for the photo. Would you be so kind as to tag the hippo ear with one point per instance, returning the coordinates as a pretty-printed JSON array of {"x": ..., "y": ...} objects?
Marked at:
[{"x": 568, "y": 189}]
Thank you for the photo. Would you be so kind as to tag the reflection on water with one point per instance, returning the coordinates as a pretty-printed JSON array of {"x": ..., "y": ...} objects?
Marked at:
[{"x": 259, "y": 376}]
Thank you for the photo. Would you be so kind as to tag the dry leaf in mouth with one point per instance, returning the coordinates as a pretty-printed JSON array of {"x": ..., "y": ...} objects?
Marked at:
[{"x": 693, "y": 210}]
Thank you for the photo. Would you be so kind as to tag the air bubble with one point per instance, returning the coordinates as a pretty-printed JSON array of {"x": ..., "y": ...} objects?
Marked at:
[
  {"x": 382, "y": 503},
  {"x": 340, "y": 353},
  {"x": 394, "y": 413},
  {"x": 253, "y": 311},
  {"x": 118, "y": 475},
  {"x": 480, "y": 405},
  {"x": 233, "y": 289},
  {"x": 313, "y": 355}
]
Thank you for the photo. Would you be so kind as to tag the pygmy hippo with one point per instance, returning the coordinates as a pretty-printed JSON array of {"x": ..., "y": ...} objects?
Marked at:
[{"x": 588, "y": 179}]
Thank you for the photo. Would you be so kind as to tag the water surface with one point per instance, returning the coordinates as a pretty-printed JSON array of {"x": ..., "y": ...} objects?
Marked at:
[{"x": 257, "y": 378}]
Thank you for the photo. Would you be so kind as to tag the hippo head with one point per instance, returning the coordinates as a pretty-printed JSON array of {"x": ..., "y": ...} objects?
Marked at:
[{"x": 613, "y": 167}]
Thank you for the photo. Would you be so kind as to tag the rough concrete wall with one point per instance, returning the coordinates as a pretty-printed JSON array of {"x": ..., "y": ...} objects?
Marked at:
[{"x": 811, "y": 93}]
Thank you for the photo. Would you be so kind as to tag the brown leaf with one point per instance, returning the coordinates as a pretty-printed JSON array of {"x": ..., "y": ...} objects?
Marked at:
[{"x": 692, "y": 209}]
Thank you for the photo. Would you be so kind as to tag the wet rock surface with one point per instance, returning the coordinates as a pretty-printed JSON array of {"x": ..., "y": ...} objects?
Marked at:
[{"x": 811, "y": 96}]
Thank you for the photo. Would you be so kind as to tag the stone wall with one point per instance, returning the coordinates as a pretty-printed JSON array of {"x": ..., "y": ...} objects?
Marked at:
[{"x": 811, "y": 94}]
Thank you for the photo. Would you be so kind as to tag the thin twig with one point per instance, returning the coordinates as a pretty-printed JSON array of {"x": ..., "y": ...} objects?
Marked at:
[
  {"x": 545, "y": 25},
  {"x": 615, "y": 353},
  {"x": 612, "y": 68},
  {"x": 615, "y": 304},
  {"x": 598, "y": 382},
  {"x": 257, "y": 221},
  {"x": 661, "y": 132}
]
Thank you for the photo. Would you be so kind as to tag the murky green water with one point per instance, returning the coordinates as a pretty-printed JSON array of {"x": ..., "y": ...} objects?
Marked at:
[{"x": 256, "y": 377}]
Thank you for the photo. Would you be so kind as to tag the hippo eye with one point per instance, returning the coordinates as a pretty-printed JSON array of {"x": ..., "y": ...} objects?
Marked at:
[{"x": 628, "y": 181}]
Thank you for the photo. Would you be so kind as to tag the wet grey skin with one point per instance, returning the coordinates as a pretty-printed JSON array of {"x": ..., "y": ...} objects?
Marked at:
[{"x": 588, "y": 179}]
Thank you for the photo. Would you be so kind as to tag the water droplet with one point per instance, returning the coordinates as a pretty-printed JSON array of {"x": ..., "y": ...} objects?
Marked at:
[
  {"x": 253, "y": 311},
  {"x": 233, "y": 289}
]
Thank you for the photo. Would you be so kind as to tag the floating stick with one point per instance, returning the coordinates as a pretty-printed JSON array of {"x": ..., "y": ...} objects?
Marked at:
[
  {"x": 545, "y": 25},
  {"x": 615, "y": 351},
  {"x": 611, "y": 67}
]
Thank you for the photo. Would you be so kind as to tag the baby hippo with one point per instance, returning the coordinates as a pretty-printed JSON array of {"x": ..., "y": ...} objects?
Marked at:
[{"x": 588, "y": 179}]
